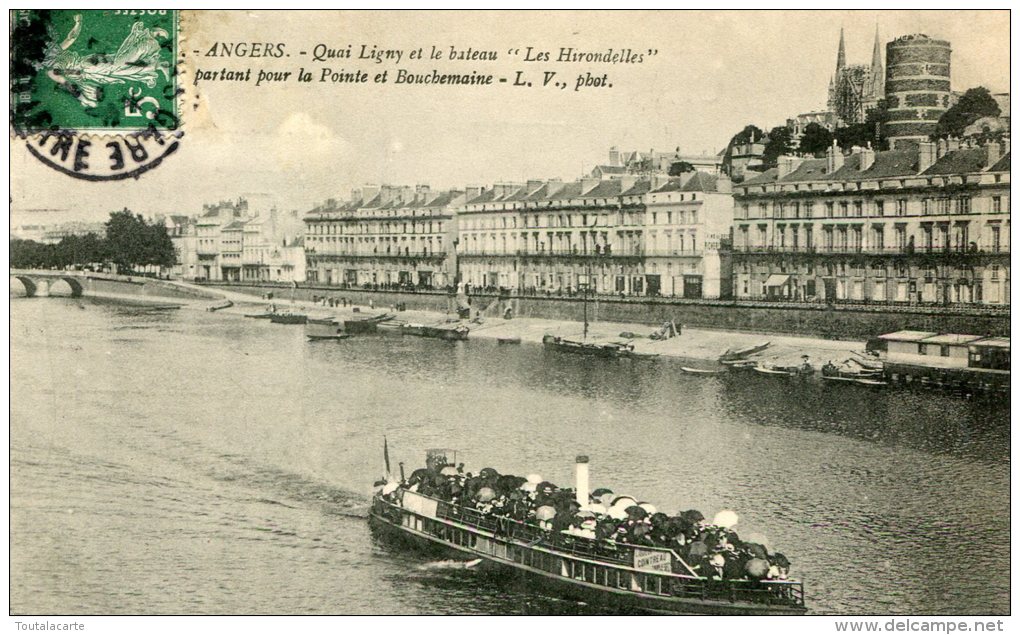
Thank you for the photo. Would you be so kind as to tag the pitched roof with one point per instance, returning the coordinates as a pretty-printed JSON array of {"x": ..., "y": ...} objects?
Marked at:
[
  {"x": 443, "y": 199},
  {"x": 808, "y": 170},
  {"x": 960, "y": 161},
  {"x": 234, "y": 226},
  {"x": 611, "y": 169},
  {"x": 570, "y": 190},
  {"x": 766, "y": 177},
  {"x": 672, "y": 185},
  {"x": 641, "y": 187},
  {"x": 605, "y": 189},
  {"x": 1002, "y": 165},
  {"x": 538, "y": 194},
  {"x": 517, "y": 195},
  {"x": 887, "y": 163},
  {"x": 485, "y": 197},
  {"x": 700, "y": 182}
]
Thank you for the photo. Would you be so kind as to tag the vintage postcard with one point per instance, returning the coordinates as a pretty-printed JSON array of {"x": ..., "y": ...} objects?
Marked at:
[{"x": 510, "y": 313}]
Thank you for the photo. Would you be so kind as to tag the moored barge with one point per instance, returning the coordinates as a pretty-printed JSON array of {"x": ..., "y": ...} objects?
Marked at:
[{"x": 600, "y": 572}]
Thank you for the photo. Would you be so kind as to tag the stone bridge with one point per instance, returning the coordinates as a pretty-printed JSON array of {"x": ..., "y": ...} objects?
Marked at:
[{"x": 41, "y": 282}]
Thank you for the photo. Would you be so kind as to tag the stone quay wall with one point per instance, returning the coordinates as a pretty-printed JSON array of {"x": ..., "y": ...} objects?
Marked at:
[{"x": 850, "y": 322}]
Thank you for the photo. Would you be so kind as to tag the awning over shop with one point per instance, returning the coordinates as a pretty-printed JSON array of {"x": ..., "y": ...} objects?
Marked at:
[{"x": 777, "y": 280}]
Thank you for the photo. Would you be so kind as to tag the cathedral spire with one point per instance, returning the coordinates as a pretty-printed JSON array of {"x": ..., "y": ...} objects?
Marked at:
[
  {"x": 841, "y": 55},
  {"x": 877, "y": 70}
]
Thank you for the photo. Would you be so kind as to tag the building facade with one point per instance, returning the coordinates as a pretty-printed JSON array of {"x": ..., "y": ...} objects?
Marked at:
[
  {"x": 555, "y": 237},
  {"x": 384, "y": 237},
  {"x": 687, "y": 225},
  {"x": 208, "y": 238},
  {"x": 928, "y": 225},
  {"x": 627, "y": 235}
]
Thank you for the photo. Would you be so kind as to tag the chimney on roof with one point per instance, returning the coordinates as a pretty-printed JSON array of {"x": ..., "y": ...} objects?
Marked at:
[
  {"x": 925, "y": 155},
  {"x": 992, "y": 148},
  {"x": 787, "y": 164},
  {"x": 952, "y": 144},
  {"x": 940, "y": 148},
  {"x": 833, "y": 158},
  {"x": 534, "y": 184},
  {"x": 627, "y": 181},
  {"x": 614, "y": 156},
  {"x": 1005, "y": 145},
  {"x": 554, "y": 186},
  {"x": 867, "y": 158},
  {"x": 588, "y": 184},
  {"x": 472, "y": 192},
  {"x": 368, "y": 192}
]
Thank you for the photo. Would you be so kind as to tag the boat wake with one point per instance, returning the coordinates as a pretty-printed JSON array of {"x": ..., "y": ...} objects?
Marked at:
[{"x": 446, "y": 565}]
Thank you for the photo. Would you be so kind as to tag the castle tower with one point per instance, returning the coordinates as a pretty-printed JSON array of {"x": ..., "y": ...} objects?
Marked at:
[{"x": 917, "y": 88}]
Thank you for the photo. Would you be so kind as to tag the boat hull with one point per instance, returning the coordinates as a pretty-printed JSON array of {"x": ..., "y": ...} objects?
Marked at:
[
  {"x": 700, "y": 371},
  {"x": 610, "y": 598},
  {"x": 288, "y": 319}
]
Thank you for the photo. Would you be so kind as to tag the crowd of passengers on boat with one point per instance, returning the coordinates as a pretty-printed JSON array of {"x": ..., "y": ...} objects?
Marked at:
[{"x": 712, "y": 550}]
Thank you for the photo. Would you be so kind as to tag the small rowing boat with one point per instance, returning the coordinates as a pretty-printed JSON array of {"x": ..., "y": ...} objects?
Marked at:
[
  {"x": 700, "y": 371},
  {"x": 320, "y": 337},
  {"x": 226, "y": 304},
  {"x": 738, "y": 354}
]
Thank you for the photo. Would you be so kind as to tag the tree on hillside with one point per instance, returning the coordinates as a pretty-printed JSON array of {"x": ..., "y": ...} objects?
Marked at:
[
  {"x": 680, "y": 167},
  {"x": 974, "y": 104},
  {"x": 749, "y": 132},
  {"x": 816, "y": 140},
  {"x": 780, "y": 143},
  {"x": 872, "y": 131}
]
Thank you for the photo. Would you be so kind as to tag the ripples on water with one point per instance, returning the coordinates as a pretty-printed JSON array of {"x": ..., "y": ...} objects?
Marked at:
[{"x": 187, "y": 462}]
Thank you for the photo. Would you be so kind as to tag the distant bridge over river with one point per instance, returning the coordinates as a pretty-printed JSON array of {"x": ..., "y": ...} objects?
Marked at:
[{"x": 43, "y": 282}]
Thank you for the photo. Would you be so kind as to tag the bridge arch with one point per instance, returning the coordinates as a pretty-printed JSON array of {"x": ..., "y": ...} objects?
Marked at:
[
  {"x": 29, "y": 284},
  {"x": 77, "y": 290},
  {"x": 43, "y": 284}
]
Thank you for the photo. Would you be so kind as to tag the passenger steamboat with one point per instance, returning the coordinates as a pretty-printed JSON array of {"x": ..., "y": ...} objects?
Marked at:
[{"x": 601, "y": 572}]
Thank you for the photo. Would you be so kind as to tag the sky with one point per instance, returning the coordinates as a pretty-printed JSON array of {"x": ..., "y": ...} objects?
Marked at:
[{"x": 294, "y": 145}]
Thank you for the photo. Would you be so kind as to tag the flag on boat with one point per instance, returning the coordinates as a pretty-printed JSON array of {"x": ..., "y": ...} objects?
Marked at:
[{"x": 386, "y": 457}]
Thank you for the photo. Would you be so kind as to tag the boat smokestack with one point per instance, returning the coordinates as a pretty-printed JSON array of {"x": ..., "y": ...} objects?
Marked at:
[{"x": 581, "y": 480}]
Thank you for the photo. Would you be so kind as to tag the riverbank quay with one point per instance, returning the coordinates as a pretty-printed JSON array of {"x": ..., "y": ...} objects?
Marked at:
[
  {"x": 700, "y": 345},
  {"x": 831, "y": 322}
]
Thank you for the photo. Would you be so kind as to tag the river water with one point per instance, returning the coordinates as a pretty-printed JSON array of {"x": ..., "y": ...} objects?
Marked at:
[{"x": 193, "y": 462}]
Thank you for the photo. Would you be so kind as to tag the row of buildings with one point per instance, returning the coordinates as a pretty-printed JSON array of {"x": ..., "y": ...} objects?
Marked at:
[
  {"x": 231, "y": 241},
  {"x": 929, "y": 224},
  {"x": 923, "y": 223}
]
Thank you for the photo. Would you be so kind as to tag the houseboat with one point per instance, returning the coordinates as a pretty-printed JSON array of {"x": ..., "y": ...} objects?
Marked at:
[
  {"x": 605, "y": 572},
  {"x": 967, "y": 363}
]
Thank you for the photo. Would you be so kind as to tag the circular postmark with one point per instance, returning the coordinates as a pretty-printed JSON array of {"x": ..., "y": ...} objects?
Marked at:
[{"x": 94, "y": 93}]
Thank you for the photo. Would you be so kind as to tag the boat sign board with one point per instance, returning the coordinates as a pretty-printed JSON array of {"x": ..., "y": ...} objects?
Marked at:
[
  {"x": 652, "y": 560},
  {"x": 419, "y": 504}
]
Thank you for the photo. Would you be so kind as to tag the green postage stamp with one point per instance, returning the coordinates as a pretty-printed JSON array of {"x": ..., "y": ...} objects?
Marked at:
[{"x": 79, "y": 74}]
